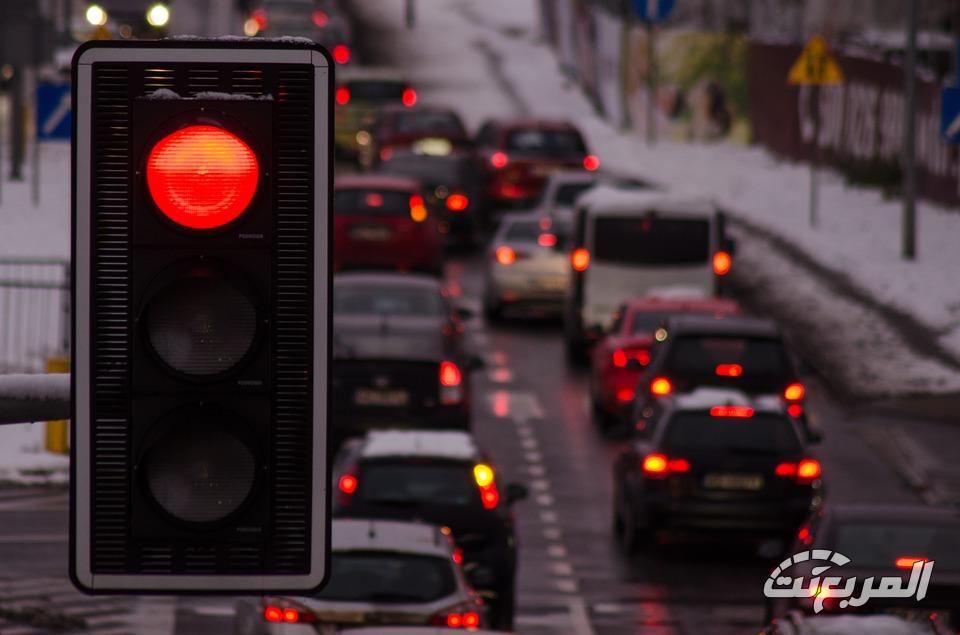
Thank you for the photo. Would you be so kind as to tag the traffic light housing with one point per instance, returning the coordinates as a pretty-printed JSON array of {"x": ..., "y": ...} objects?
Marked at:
[{"x": 202, "y": 178}]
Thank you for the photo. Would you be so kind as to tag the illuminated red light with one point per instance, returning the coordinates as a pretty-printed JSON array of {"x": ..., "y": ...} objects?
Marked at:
[
  {"x": 342, "y": 96},
  {"x": 619, "y": 358},
  {"x": 659, "y": 464},
  {"x": 786, "y": 469},
  {"x": 580, "y": 259},
  {"x": 291, "y": 616},
  {"x": 408, "y": 97},
  {"x": 202, "y": 177},
  {"x": 457, "y": 202},
  {"x": 625, "y": 394},
  {"x": 722, "y": 263},
  {"x": 449, "y": 374},
  {"x": 808, "y": 469},
  {"x": 499, "y": 160},
  {"x": 661, "y": 386},
  {"x": 454, "y": 620},
  {"x": 547, "y": 240},
  {"x": 320, "y": 18},
  {"x": 794, "y": 392},
  {"x": 591, "y": 163},
  {"x": 729, "y": 370},
  {"x": 260, "y": 17},
  {"x": 804, "y": 535},
  {"x": 489, "y": 496},
  {"x": 341, "y": 53},
  {"x": 736, "y": 412},
  {"x": 272, "y": 614},
  {"x": 348, "y": 484},
  {"x": 418, "y": 209},
  {"x": 907, "y": 562},
  {"x": 457, "y": 555},
  {"x": 506, "y": 255},
  {"x": 374, "y": 200},
  {"x": 795, "y": 410},
  {"x": 471, "y": 620}
]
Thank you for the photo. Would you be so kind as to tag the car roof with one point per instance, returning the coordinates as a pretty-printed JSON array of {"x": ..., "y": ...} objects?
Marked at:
[
  {"x": 701, "y": 324},
  {"x": 388, "y": 535},
  {"x": 682, "y": 302},
  {"x": 705, "y": 397},
  {"x": 439, "y": 444},
  {"x": 533, "y": 122},
  {"x": 378, "y": 181},
  {"x": 351, "y": 73},
  {"x": 424, "y": 108},
  {"x": 578, "y": 177},
  {"x": 386, "y": 277},
  {"x": 613, "y": 200},
  {"x": 415, "y": 630}
]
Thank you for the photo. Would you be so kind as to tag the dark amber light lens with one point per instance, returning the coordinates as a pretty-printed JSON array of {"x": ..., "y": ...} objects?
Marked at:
[{"x": 202, "y": 177}]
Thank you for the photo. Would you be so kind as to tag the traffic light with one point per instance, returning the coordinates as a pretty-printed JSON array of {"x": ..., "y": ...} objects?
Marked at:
[{"x": 201, "y": 224}]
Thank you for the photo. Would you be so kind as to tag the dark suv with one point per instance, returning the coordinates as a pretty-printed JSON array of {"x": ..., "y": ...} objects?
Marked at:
[{"x": 440, "y": 477}]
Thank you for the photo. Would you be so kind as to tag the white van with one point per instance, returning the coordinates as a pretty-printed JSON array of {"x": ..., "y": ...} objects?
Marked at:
[{"x": 627, "y": 243}]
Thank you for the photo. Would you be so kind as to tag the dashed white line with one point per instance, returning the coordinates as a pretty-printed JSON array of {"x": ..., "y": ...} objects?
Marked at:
[
  {"x": 552, "y": 533},
  {"x": 529, "y": 443},
  {"x": 562, "y": 569},
  {"x": 540, "y": 484},
  {"x": 536, "y": 470},
  {"x": 556, "y": 550},
  {"x": 524, "y": 430},
  {"x": 548, "y": 517},
  {"x": 566, "y": 585},
  {"x": 545, "y": 500},
  {"x": 533, "y": 457}
]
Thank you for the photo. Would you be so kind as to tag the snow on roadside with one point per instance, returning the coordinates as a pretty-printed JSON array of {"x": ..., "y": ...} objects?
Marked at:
[{"x": 23, "y": 459}]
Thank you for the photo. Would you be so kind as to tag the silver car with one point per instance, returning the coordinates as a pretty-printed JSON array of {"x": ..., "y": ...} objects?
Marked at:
[
  {"x": 526, "y": 266},
  {"x": 564, "y": 187},
  {"x": 382, "y": 572}
]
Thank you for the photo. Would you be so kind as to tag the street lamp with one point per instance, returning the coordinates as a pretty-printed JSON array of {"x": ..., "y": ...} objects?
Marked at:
[
  {"x": 96, "y": 16},
  {"x": 158, "y": 15}
]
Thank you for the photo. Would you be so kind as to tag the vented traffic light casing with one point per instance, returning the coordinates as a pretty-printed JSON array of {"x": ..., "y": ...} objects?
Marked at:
[{"x": 201, "y": 223}]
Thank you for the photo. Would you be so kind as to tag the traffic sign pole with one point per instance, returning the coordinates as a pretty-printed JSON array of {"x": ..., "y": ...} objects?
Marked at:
[
  {"x": 815, "y": 159},
  {"x": 909, "y": 221}
]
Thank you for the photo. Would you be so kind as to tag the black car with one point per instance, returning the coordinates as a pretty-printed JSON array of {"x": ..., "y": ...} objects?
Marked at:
[
  {"x": 715, "y": 460},
  {"x": 879, "y": 541},
  {"x": 397, "y": 354},
  {"x": 451, "y": 189},
  {"x": 439, "y": 477},
  {"x": 741, "y": 353}
]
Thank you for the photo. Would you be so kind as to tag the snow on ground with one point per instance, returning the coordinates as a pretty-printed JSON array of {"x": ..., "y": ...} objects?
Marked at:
[
  {"x": 23, "y": 459},
  {"x": 859, "y": 231}
]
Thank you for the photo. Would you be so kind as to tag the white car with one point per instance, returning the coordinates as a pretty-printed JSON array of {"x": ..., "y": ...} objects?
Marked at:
[
  {"x": 563, "y": 188},
  {"x": 382, "y": 572}
]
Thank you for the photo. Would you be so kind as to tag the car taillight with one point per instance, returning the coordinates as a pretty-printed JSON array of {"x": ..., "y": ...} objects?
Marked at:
[
  {"x": 457, "y": 555},
  {"x": 451, "y": 379},
  {"x": 661, "y": 386},
  {"x": 408, "y": 97},
  {"x": 806, "y": 471},
  {"x": 285, "y": 611},
  {"x": 457, "y": 202},
  {"x": 580, "y": 259},
  {"x": 735, "y": 412},
  {"x": 722, "y": 263},
  {"x": 342, "y": 96},
  {"x": 506, "y": 255},
  {"x": 625, "y": 394},
  {"x": 202, "y": 177},
  {"x": 547, "y": 240},
  {"x": 499, "y": 160},
  {"x": 794, "y": 392},
  {"x": 458, "y": 617},
  {"x": 907, "y": 562},
  {"x": 341, "y": 53},
  {"x": 591, "y": 163},
  {"x": 347, "y": 486},
  {"x": 795, "y": 410},
  {"x": 661, "y": 465},
  {"x": 484, "y": 477},
  {"x": 621, "y": 356},
  {"x": 729, "y": 370},
  {"x": 418, "y": 209},
  {"x": 320, "y": 18}
]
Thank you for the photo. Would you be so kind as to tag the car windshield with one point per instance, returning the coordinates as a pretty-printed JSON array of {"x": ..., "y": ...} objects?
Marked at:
[
  {"x": 438, "y": 122},
  {"x": 386, "y": 299},
  {"x": 692, "y": 355},
  {"x": 412, "y": 483},
  {"x": 651, "y": 240},
  {"x": 877, "y": 544},
  {"x": 375, "y": 90},
  {"x": 371, "y": 202},
  {"x": 387, "y": 577},
  {"x": 761, "y": 433},
  {"x": 545, "y": 141}
]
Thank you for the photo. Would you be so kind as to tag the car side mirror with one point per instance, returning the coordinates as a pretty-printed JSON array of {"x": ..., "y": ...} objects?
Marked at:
[
  {"x": 463, "y": 313},
  {"x": 515, "y": 492}
]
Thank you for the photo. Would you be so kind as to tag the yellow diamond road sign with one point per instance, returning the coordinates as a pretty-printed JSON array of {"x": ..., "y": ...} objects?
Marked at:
[{"x": 815, "y": 65}]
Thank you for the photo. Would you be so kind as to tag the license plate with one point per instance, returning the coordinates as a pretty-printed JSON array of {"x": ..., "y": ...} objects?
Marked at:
[
  {"x": 545, "y": 170},
  {"x": 371, "y": 232},
  {"x": 551, "y": 284},
  {"x": 432, "y": 146},
  {"x": 386, "y": 398},
  {"x": 749, "y": 482}
]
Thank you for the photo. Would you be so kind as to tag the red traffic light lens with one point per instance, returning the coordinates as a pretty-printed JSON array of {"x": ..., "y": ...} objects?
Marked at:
[{"x": 202, "y": 177}]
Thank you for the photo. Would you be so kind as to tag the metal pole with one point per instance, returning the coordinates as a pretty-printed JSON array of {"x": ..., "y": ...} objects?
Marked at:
[
  {"x": 409, "y": 14},
  {"x": 625, "y": 13},
  {"x": 651, "y": 84},
  {"x": 16, "y": 125},
  {"x": 909, "y": 228},
  {"x": 815, "y": 159}
]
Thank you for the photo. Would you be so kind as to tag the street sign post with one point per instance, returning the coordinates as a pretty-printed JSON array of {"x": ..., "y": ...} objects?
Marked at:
[
  {"x": 650, "y": 12},
  {"x": 815, "y": 67},
  {"x": 202, "y": 175},
  {"x": 53, "y": 112},
  {"x": 950, "y": 114},
  {"x": 653, "y": 10}
]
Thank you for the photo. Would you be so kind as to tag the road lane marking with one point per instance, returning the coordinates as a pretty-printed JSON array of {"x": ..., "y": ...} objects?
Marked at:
[
  {"x": 533, "y": 457},
  {"x": 552, "y": 533},
  {"x": 545, "y": 500},
  {"x": 548, "y": 517},
  {"x": 540, "y": 484},
  {"x": 566, "y": 585},
  {"x": 536, "y": 470},
  {"x": 500, "y": 375},
  {"x": 524, "y": 430},
  {"x": 529, "y": 443},
  {"x": 519, "y": 405},
  {"x": 556, "y": 550},
  {"x": 562, "y": 569},
  {"x": 213, "y": 611},
  {"x": 579, "y": 616}
]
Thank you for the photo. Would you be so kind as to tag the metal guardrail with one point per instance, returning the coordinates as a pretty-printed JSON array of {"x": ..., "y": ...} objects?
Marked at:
[{"x": 34, "y": 313}]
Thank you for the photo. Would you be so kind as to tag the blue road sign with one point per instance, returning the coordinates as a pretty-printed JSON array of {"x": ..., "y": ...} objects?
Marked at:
[
  {"x": 653, "y": 10},
  {"x": 53, "y": 112},
  {"x": 950, "y": 114}
]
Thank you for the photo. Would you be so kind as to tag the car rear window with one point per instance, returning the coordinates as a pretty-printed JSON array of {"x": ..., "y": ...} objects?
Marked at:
[
  {"x": 651, "y": 240},
  {"x": 399, "y": 300},
  {"x": 646, "y": 322},
  {"x": 375, "y": 90},
  {"x": 523, "y": 231},
  {"x": 448, "y": 170},
  {"x": 542, "y": 141},
  {"x": 387, "y": 343},
  {"x": 439, "y": 122},
  {"x": 761, "y": 433},
  {"x": 387, "y": 577},
  {"x": 700, "y": 356},
  {"x": 414, "y": 483},
  {"x": 878, "y": 544},
  {"x": 371, "y": 202}
]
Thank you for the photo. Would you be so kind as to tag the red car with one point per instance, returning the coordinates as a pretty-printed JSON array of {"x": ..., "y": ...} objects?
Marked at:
[
  {"x": 427, "y": 130},
  {"x": 382, "y": 222},
  {"x": 618, "y": 359},
  {"x": 516, "y": 157}
]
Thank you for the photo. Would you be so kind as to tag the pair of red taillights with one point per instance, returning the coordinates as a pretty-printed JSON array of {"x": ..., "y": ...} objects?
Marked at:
[
  {"x": 482, "y": 475},
  {"x": 659, "y": 465},
  {"x": 342, "y": 96},
  {"x": 792, "y": 394},
  {"x": 499, "y": 160},
  {"x": 580, "y": 261},
  {"x": 291, "y": 615}
]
